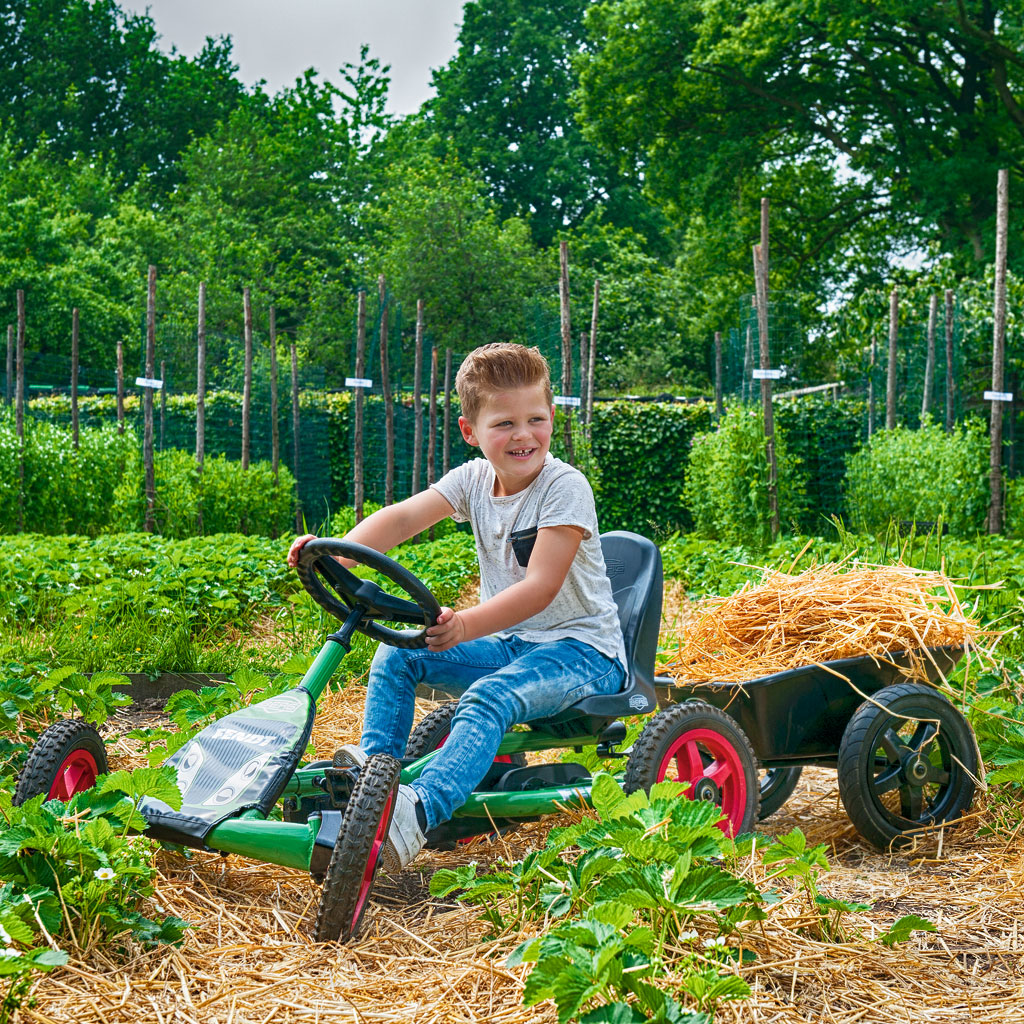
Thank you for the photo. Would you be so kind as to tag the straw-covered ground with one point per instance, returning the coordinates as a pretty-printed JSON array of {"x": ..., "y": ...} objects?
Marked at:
[{"x": 249, "y": 958}]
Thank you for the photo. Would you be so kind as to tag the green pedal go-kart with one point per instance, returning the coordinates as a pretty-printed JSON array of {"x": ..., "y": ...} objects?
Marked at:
[{"x": 334, "y": 818}]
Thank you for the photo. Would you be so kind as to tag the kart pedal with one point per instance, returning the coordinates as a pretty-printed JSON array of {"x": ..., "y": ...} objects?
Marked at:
[
  {"x": 610, "y": 739},
  {"x": 337, "y": 783}
]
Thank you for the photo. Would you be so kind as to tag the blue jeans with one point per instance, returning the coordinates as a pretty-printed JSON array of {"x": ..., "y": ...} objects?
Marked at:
[{"x": 501, "y": 681}]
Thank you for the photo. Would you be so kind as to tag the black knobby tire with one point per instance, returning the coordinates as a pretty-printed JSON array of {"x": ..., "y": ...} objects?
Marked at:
[
  {"x": 356, "y": 856},
  {"x": 428, "y": 735},
  {"x": 906, "y": 761},
  {"x": 706, "y": 747},
  {"x": 776, "y": 786},
  {"x": 66, "y": 759}
]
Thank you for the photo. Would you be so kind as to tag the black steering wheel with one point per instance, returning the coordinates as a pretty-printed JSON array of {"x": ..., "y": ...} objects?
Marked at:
[{"x": 341, "y": 592}]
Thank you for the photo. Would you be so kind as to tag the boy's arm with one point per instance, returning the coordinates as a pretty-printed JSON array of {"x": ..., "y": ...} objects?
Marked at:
[
  {"x": 390, "y": 526},
  {"x": 553, "y": 552}
]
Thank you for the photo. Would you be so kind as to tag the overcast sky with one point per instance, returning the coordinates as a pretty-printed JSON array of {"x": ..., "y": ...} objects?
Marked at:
[{"x": 278, "y": 39}]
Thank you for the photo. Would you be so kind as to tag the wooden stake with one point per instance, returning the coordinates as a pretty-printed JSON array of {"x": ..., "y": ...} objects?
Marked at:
[
  {"x": 929, "y": 359},
  {"x": 358, "y": 492},
  {"x": 295, "y": 436},
  {"x": 719, "y": 405},
  {"x": 950, "y": 378},
  {"x": 871, "y": 385},
  {"x": 995, "y": 506},
  {"x": 890, "y": 376},
  {"x": 275, "y": 431},
  {"x": 592, "y": 360},
  {"x": 120, "y": 386},
  {"x": 9, "y": 383},
  {"x": 200, "y": 400},
  {"x": 247, "y": 378},
  {"x": 446, "y": 451},
  {"x": 19, "y": 407},
  {"x": 163, "y": 400},
  {"x": 74, "y": 377},
  {"x": 761, "y": 290},
  {"x": 147, "y": 403},
  {"x": 563, "y": 303},
  {"x": 432, "y": 417},
  {"x": 389, "y": 405},
  {"x": 417, "y": 401},
  {"x": 583, "y": 378}
]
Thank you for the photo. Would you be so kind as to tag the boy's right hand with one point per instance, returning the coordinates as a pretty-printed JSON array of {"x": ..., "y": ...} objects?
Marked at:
[{"x": 297, "y": 546}]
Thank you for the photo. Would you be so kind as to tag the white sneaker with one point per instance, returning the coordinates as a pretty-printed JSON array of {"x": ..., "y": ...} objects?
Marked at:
[
  {"x": 405, "y": 838},
  {"x": 351, "y": 755}
]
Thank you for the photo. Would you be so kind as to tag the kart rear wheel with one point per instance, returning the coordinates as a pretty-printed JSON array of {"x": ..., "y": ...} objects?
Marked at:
[
  {"x": 431, "y": 733},
  {"x": 65, "y": 760},
  {"x": 696, "y": 743},
  {"x": 356, "y": 856},
  {"x": 907, "y": 759},
  {"x": 776, "y": 786}
]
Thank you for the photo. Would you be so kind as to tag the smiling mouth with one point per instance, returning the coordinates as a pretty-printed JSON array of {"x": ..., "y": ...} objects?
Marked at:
[{"x": 522, "y": 453}]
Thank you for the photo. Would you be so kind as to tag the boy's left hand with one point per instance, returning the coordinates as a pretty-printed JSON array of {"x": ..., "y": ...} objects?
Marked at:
[{"x": 447, "y": 632}]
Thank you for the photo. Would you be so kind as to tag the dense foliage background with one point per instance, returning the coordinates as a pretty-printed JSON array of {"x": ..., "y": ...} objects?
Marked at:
[{"x": 642, "y": 131}]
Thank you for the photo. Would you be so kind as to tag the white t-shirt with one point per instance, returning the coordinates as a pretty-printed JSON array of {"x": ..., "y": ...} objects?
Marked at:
[{"x": 560, "y": 496}]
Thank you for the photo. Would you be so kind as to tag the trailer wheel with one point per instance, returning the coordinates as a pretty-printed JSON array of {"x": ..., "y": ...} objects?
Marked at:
[
  {"x": 907, "y": 759},
  {"x": 696, "y": 743},
  {"x": 776, "y": 786},
  {"x": 352, "y": 868}
]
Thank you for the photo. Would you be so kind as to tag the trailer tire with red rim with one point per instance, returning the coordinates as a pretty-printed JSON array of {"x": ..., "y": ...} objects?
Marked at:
[
  {"x": 65, "y": 760},
  {"x": 696, "y": 743}
]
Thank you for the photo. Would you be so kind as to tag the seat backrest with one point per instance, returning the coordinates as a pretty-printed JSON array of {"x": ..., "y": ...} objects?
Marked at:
[{"x": 633, "y": 564}]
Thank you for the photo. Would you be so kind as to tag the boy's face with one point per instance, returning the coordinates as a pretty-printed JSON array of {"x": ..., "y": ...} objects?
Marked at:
[{"x": 513, "y": 430}]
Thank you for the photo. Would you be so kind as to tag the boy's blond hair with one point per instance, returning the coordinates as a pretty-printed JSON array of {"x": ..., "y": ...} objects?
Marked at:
[{"x": 499, "y": 366}]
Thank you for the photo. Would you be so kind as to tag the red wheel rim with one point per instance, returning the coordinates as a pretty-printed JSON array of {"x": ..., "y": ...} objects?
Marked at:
[
  {"x": 705, "y": 756},
  {"x": 76, "y": 774},
  {"x": 370, "y": 870}
]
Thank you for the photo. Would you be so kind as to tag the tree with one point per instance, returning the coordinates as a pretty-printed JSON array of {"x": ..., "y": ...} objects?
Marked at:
[
  {"x": 900, "y": 110},
  {"x": 502, "y": 107},
  {"x": 88, "y": 78}
]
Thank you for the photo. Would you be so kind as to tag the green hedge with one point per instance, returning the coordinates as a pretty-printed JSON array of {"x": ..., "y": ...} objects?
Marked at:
[{"x": 642, "y": 450}]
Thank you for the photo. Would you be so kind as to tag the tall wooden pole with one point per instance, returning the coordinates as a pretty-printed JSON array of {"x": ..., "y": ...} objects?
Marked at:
[
  {"x": 871, "y": 385},
  {"x": 432, "y": 418},
  {"x": 19, "y": 407},
  {"x": 592, "y": 357},
  {"x": 200, "y": 400},
  {"x": 563, "y": 303},
  {"x": 761, "y": 290},
  {"x": 583, "y": 378},
  {"x": 74, "y": 377},
  {"x": 295, "y": 436},
  {"x": 9, "y": 383},
  {"x": 950, "y": 377},
  {"x": 929, "y": 359},
  {"x": 890, "y": 374},
  {"x": 163, "y": 400},
  {"x": 120, "y": 386},
  {"x": 247, "y": 378},
  {"x": 147, "y": 402},
  {"x": 719, "y": 405},
  {"x": 385, "y": 384},
  {"x": 358, "y": 481},
  {"x": 446, "y": 449},
  {"x": 995, "y": 505},
  {"x": 275, "y": 428},
  {"x": 417, "y": 402}
]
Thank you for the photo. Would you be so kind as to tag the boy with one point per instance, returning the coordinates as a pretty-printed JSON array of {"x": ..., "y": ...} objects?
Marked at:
[{"x": 546, "y": 632}]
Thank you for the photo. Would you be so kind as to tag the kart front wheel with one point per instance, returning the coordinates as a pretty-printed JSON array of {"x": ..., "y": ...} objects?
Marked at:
[
  {"x": 696, "y": 743},
  {"x": 907, "y": 759},
  {"x": 353, "y": 865},
  {"x": 65, "y": 760},
  {"x": 776, "y": 785}
]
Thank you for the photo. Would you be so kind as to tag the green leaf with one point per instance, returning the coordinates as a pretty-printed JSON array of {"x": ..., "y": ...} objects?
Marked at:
[{"x": 902, "y": 929}]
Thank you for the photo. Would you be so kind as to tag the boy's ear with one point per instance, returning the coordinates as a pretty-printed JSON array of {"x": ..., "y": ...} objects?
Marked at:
[{"x": 467, "y": 432}]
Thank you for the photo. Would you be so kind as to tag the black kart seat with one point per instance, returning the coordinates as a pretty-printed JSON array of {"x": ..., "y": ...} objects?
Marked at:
[{"x": 633, "y": 564}]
